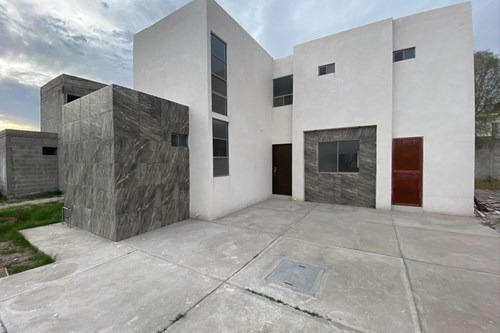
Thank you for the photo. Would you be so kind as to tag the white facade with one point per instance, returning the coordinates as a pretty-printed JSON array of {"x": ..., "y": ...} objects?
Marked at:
[{"x": 430, "y": 96}]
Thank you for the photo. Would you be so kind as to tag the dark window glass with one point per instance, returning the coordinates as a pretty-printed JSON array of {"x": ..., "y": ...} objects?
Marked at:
[
  {"x": 175, "y": 140},
  {"x": 348, "y": 156},
  {"x": 283, "y": 86},
  {"x": 71, "y": 98},
  {"x": 220, "y": 147},
  {"x": 221, "y": 166},
  {"x": 321, "y": 70},
  {"x": 219, "y": 85},
  {"x": 278, "y": 101},
  {"x": 327, "y": 159},
  {"x": 409, "y": 53},
  {"x": 218, "y": 67},
  {"x": 219, "y": 104},
  {"x": 219, "y": 129},
  {"x": 287, "y": 100},
  {"x": 330, "y": 68},
  {"x": 400, "y": 55},
  {"x": 49, "y": 151},
  {"x": 218, "y": 48}
]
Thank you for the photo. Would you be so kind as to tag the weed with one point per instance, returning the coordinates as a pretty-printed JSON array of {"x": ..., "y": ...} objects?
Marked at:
[
  {"x": 489, "y": 184},
  {"x": 178, "y": 317}
]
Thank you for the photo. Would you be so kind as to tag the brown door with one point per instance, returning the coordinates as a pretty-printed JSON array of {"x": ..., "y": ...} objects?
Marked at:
[
  {"x": 407, "y": 171},
  {"x": 282, "y": 169}
]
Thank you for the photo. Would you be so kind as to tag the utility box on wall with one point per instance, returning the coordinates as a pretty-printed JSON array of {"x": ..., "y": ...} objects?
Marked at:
[{"x": 126, "y": 162}]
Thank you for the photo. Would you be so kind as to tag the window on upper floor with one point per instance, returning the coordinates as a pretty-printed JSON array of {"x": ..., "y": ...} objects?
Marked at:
[
  {"x": 283, "y": 91},
  {"x": 219, "y": 75},
  {"x": 179, "y": 140},
  {"x": 71, "y": 98},
  {"x": 404, "y": 54},
  {"x": 326, "y": 69},
  {"x": 220, "y": 146}
]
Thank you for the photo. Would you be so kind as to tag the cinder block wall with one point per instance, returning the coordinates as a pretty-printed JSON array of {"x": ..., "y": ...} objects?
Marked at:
[
  {"x": 488, "y": 158},
  {"x": 122, "y": 175},
  {"x": 24, "y": 168},
  {"x": 53, "y": 95}
]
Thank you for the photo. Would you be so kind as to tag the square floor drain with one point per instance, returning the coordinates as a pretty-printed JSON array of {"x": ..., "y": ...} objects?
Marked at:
[{"x": 297, "y": 276}]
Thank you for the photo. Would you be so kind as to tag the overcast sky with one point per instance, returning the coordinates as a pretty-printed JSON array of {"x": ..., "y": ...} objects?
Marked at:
[{"x": 39, "y": 39}]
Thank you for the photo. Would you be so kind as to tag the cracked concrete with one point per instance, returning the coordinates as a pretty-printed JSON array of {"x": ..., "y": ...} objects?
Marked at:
[{"x": 381, "y": 272}]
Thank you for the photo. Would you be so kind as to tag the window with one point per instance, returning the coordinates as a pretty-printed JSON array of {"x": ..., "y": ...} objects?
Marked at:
[
  {"x": 179, "y": 140},
  {"x": 49, "y": 151},
  {"x": 338, "y": 156},
  {"x": 283, "y": 91},
  {"x": 71, "y": 98},
  {"x": 219, "y": 75},
  {"x": 220, "y": 147},
  {"x": 326, "y": 69},
  {"x": 405, "y": 54}
]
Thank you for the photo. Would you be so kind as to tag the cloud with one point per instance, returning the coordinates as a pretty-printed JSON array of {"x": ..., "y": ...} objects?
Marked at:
[
  {"x": 7, "y": 122},
  {"x": 105, "y": 4}
]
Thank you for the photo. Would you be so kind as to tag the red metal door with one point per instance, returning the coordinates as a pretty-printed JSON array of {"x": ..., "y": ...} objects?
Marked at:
[{"x": 407, "y": 156}]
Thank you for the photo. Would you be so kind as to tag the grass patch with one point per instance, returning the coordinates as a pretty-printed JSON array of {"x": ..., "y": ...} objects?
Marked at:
[
  {"x": 489, "y": 184},
  {"x": 45, "y": 195},
  {"x": 16, "y": 253}
]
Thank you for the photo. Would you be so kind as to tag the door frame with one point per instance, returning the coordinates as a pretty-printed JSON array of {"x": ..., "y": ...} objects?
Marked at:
[{"x": 420, "y": 185}]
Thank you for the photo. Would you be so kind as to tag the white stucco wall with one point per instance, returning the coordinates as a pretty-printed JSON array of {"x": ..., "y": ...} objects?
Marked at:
[
  {"x": 249, "y": 82},
  {"x": 434, "y": 98},
  {"x": 359, "y": 93},
  {"x": 282, "y": 115},
  {"x": 170, "y": 61}
]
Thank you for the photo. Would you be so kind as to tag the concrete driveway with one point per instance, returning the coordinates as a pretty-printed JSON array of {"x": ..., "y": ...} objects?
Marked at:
[{"x": 278, "y": 266}]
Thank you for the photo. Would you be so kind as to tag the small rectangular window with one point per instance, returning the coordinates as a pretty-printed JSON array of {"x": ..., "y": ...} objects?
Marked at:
[
  {"x": 220, "y": 146},
  {"x": 404, "y": 54},
  {"x": 283, "y": 91},
  {"x": 219, "y": 104},
  {"x": 49, "y": 151},
  {"x": 179, "y": 140},
  {"x": 326, "y": 69},
  {"x": 71, "y": 98},
  {"x": 338, "y": 156}
]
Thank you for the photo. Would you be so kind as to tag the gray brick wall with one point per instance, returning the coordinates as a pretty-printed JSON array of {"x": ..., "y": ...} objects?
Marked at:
[{"x": 24, "y": 168}]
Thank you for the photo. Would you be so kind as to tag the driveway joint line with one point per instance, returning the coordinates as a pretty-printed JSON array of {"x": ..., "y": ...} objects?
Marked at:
[
  {"x": 446, "y": 231},
  {"x": 407, "y": 273},
  {"x": 452, "y": 267}
]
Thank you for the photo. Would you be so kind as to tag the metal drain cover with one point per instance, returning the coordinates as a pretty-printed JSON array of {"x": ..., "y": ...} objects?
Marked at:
[{"x": 296, "y": 276}]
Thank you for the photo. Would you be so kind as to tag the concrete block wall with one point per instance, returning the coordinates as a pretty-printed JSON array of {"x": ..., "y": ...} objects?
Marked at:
[
  {"x": 488, "y": 158},
  {"x": 122, "y": 175},
  {"x": 53, "y": 96},
  {"x": 24, "y": 168}
]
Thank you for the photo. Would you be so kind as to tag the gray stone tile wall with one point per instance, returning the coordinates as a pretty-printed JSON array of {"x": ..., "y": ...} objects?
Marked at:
[
  {"x": 355, "y": 189},
  {"x": 53, "y": 97},
  {"x": 24, "y": 169},
  {"x": 123, "y": 177}
]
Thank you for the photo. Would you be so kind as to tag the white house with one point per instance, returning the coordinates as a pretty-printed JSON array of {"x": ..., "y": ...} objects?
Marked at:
[{"x": 376, "y": 116}]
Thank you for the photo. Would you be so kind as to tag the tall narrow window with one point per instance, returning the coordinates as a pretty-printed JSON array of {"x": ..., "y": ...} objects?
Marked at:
[
  {"x": 283, "y": 91},
  {"x": 219, "y": 75},
  {"x": 220, "y": 147}
]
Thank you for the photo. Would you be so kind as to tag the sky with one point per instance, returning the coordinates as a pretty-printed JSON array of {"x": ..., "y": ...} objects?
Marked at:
[{"x": 40, "y": 39}]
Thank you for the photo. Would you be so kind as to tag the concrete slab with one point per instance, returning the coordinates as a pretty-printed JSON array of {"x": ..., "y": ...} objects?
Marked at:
[
  {"x": 350, "y": 213},
  {"x": 230, "y": 309},
  {"x": 480, "y": 253},
  {"x": 459, "y": 224},
  {"x": 265, "y": 220},
  {"x": 75, "y": 250},
  {"x": 364, "y": 291},
  {"x": 349, "y": 233},
  {"x": 134, "y": 293},
  {"x": 209, "y": 248},
  {"x": 287, "y": 205},
  {"x": 455, "y": 300}
]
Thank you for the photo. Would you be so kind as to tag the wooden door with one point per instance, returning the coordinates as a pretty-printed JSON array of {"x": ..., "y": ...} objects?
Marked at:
[
  {"x": 282, "y": 169},
  {"x": 407, "y": 158}
]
